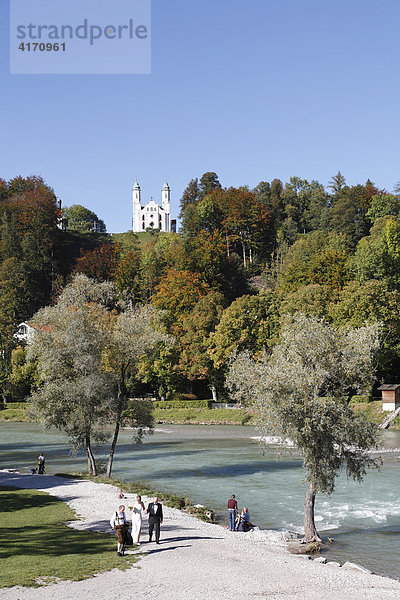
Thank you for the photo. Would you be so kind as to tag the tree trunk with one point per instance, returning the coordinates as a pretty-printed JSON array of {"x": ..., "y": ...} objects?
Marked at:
[
  {"x": 113, "y": 446},
  {"x": 118, "y": 418},
  {"x": 310, "y": 531},
  {"x": 92, "y": 469},
  {"x": 244, "y": 254},
  {"x": 214, "y": 392},
  {"x": 227, "y": 244}
]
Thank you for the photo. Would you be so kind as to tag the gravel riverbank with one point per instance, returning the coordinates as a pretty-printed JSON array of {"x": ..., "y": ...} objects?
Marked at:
[{"x": 195, "y": 560}]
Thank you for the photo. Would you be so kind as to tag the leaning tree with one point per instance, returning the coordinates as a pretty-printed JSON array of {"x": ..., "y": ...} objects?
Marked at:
[{"x": 302, "y": 391}]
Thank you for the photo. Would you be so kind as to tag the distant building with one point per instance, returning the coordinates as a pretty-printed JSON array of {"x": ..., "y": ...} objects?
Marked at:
[
  {"x": 390, "y": 396},
  {"x": 25, "y": 333},
  {"x": 151, "y": 215}
]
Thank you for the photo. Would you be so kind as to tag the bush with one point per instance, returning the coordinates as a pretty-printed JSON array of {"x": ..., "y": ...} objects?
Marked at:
[{"x": 183, "y": 397}]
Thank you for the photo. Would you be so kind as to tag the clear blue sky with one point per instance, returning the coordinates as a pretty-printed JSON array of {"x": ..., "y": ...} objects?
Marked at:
[{"x": 252, "y": 89}]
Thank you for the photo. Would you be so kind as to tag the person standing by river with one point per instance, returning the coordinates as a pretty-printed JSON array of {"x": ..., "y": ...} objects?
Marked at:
[
  {"x": 119, "y": 523},
  {"x": 155, "y": 512},
  {"x": 232, "y": 508},
  {"x": 137, "y": 513},
  {"x": 41, "y": 461}
]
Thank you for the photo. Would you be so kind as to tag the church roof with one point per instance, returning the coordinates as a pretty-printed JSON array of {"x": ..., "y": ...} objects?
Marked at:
[
  {"x": 166, "y": 186},
  {"x": 136, "y": 185}
]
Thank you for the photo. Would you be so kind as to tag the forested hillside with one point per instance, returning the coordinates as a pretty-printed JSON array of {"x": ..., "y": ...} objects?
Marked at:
[{"x": 242, "y": 260}]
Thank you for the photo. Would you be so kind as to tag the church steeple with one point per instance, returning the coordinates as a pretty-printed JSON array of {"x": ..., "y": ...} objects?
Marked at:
[
  {"x": 136, "y": 193},
  {"x": 166, "y": 196}
]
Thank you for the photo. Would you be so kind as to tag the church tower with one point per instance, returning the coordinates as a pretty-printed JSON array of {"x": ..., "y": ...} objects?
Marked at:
[
  {"x": 136, "y": 197},
  {"x": 166, "y": 205}
]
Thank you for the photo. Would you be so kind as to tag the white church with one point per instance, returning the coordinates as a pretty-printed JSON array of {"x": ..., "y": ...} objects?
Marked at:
[{"x": 152, "y": 215}]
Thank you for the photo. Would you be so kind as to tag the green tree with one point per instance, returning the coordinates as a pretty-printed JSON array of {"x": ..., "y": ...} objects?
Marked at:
[
  {"x": 194, "y": 360},
  {"x": 75, "y": 393},
  {"x": 348, "y": 212},
  {"x": 83, "y": 219},
  {"x": 304, "y": 204},
  {"x": 208, "y": 182},
  {"x": 300, "y": 393},
  {"x": 383, "y": 205},
  {"x": 23, "y": 376},
  {"x": 337, "y": 182},
  {"x": 377, "y": 256},
  {"x": 250, "y": 322},
  {"x": 12, "y": 312},
  {"x": 223, "y": 273},
  {"x": 361, "y": 303},
  {"x": 129, "y": 335},
  {"x": 158, "y": 367},
  {"x": 312, "y": 300},
  {"x": 316, "y": 257},
  {"x": 85, "y": 353},
  {"x": 189, "y": 196}
]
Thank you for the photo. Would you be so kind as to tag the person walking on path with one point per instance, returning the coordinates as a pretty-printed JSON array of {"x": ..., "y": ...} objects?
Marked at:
[
  {"x": 137, "y": 516},
  {"x": 155, "y": 512},
  {"x": 41, "y": 461},
  {"x": 232, "y": 509},
  {"x": 119, "y": 523}
]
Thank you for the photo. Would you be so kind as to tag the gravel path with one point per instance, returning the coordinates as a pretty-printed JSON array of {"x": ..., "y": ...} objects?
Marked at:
[{"x": 195, "y": 560}]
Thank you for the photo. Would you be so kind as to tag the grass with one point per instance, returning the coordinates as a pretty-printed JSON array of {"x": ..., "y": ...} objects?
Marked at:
[
  {"x": 373, "y": 411},
  {"x": 17, "y": 415},
  {"x": 220, "y": 416},
  {"x": 200, "y": 416},
  {"x": 37, "y": 548}
]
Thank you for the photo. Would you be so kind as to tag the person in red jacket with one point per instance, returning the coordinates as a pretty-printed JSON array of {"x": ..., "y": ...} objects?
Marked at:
[{"x": 232, "y": 508}]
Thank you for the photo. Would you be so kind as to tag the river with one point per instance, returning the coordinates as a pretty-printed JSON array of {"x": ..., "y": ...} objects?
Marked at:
[{"x": 209, "y": 463}]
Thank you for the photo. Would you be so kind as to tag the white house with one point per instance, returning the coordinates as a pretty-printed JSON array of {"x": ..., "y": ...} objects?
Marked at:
[
  {"x": 25, "y": 333},
  {"x": 151, "y": 215}
]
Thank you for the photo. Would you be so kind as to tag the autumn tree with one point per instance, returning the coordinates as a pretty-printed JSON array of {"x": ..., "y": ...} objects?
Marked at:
[
  {"x": 99, "y": 263},
  {"x": 176, "y": 295},
  {"x": 301, "y": 392},
  {"x": 28, "y": 220}
]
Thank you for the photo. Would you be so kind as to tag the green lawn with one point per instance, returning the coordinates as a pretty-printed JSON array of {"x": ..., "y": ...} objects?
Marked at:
[
  {"x": 197, "y": 416},
  {"x": 37, "y": 548}
]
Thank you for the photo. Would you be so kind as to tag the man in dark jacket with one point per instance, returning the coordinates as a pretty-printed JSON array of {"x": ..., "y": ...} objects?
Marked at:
[{"x": 155, "y": 512}]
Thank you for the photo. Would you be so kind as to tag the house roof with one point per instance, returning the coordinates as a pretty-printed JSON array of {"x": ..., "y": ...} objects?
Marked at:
[{"x": 389, "y": 386}]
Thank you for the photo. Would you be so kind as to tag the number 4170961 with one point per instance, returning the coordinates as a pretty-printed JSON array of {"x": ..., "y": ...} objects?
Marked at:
[{"x": 41, "y": 47}]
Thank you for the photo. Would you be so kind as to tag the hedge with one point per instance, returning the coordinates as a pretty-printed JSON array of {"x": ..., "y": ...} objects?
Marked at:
[
  {"x": 164, "y": 404},
  {"x": 14, "y": 405}
]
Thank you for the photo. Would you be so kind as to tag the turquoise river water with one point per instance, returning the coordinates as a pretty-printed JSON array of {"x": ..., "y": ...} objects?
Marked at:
[{"x": 209, "y": 463}]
